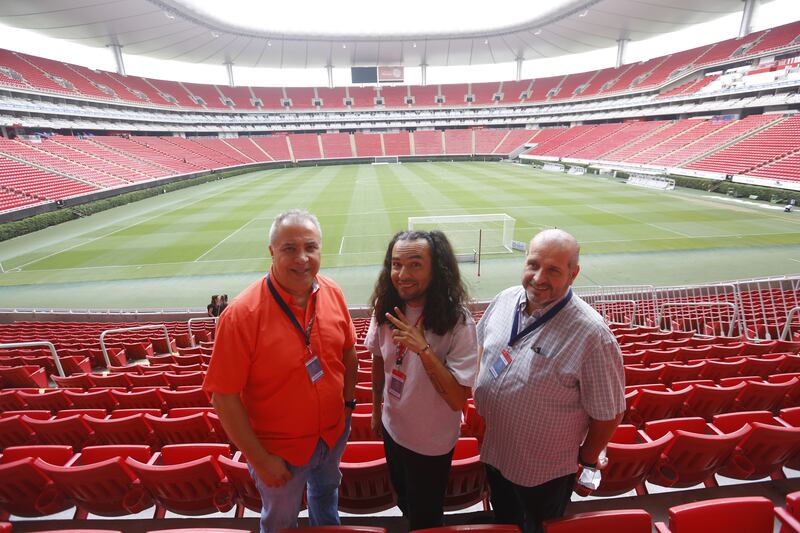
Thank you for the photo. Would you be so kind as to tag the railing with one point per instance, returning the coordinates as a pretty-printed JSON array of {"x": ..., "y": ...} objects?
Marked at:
[
  {"x": 162, "y": 327},
  {"x": 728, "y": 305},
  {"x": 46, "y": 344},
  {"x": 196, "y": 320}
]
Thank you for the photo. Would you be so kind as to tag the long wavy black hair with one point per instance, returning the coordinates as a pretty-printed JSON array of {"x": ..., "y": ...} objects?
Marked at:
[{"x": 446, "y": 296}]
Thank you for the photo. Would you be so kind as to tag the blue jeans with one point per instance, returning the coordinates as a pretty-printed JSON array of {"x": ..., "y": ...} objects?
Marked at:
[{"x": 281, "y": 505}]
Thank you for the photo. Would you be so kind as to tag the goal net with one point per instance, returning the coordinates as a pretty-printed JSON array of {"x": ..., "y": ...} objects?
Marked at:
[
  {"x": 385, "y": 159},
  {"x": 471, "y": 234}
]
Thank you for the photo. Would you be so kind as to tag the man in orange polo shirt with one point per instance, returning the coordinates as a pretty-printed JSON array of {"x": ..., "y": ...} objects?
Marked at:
[{"x": 283, "y": 374}]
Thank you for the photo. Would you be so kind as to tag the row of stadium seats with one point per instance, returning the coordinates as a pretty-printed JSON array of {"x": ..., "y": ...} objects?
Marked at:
[
  {"x": 200, "y": 478},
  {"x": 40, "y": 74},
  {"x": 193, "y": 479}
]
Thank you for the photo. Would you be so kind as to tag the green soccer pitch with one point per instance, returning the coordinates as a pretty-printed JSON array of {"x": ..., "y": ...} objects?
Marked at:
[{"x": 176, "y": 249}]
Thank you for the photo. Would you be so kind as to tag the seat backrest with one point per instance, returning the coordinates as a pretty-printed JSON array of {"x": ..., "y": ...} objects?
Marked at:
[
  {"x": 753, "y": 514},
  {"x": 622, "y": 520}
]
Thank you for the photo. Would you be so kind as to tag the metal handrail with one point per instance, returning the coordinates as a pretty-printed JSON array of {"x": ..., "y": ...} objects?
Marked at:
[
  {"x": 787, "y": 328},
  {"x": 46, "y": 344},
  {"x": 701, "y": 304},
  {"x": 120, "y": 330},
  {"x": 199, "y": 319},
  {"x": 611, "y": 302}
]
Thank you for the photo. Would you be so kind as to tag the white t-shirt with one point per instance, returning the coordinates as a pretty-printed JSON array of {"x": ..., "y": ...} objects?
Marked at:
[{"x": 421, "y": 420}]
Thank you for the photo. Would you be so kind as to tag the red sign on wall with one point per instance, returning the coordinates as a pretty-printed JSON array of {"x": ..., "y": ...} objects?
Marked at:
[{"x": 390, "y": 73}]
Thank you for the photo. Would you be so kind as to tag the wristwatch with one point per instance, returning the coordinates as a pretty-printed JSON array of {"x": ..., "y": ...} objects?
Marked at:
[{"x": 350, "y": 403}]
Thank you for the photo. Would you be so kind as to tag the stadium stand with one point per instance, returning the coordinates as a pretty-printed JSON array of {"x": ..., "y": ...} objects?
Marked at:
[
  {"x": 428, "y": 142},
  {"x": 368, "y": 144},
  {"x": 305, "y": 146},
  {"x": 301, "y": 97},
  {"x": 332, "y": 98},
  {"x": 483, "y": 93},
  {"x": 362, "y": 97},
  {"x": 336, "y": 145}
]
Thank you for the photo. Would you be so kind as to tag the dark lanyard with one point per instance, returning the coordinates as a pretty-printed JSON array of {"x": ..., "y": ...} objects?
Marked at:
[
  {"x": 539, "y": 322},
  {"x": 306, "y": 333},
  {"x": 401, "y": 350}
]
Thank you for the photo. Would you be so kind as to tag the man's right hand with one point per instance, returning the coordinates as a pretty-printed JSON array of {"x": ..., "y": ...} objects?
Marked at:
[
  {"x": 376, "y": 425},
  {"x": 272, "y": 471}
]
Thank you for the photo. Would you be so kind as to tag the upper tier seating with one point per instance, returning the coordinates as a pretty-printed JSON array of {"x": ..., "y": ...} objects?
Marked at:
[{"x": 40, "y": 74}]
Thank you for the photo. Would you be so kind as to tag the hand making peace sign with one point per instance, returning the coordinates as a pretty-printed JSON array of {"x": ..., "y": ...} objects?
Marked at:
[{"x": 409, "y": 335}]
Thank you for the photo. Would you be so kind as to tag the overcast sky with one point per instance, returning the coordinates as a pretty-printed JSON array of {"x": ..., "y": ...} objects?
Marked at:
[{"x": 772, "y": 14}]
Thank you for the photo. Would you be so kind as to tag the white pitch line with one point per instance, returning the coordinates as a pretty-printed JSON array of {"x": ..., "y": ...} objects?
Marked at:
[
  {"x": 223, "y": 240},
  {"x": 89, "y": 241},
  {"x": 676, "y": 232},
  {"x": 341, "y": 245},
  {"x": 179, "y": 204}
]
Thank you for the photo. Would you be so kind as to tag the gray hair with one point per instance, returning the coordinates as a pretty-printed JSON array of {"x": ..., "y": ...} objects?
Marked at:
[{"x": 293, "y": 215}]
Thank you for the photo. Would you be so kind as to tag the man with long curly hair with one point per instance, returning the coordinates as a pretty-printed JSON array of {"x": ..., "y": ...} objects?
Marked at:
[{"x": 424, "y": 346}]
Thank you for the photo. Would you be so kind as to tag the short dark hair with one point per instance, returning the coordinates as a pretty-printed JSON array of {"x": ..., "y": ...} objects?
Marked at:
[{"x": 447, "y": 295}]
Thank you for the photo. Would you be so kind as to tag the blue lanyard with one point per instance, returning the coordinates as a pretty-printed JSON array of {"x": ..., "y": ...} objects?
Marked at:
[
  {"x": 306, "y": 333},
  {"x": 539, "y": 322}
]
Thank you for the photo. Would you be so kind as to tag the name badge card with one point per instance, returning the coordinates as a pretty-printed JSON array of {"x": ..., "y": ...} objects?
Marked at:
[
  {"x": 314, "y": 369},
  {"x": 396, "y": 383},
  {"x": 500, "y": 363}
]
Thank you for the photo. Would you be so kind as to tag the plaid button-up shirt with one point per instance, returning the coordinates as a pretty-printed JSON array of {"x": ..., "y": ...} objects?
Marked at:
[{"x": 562, "y": 374}]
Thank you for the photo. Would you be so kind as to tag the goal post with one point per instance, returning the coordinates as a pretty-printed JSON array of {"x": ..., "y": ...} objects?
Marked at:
[
  {"x": 385, "y": 159},
  {"x": 471, "y": 234}
]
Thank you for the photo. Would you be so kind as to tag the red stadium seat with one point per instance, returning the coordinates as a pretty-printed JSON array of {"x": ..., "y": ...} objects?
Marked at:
[
  {"x": 15, "y": 432},
  {"x": 21, "y": 481},
  {"x": 631, "y": 457},
  {"x": 239, "y": 476},
  {"x": 753, "y": 514},
  {"x": 694, "y": 453},
  {"x": 117, "y": 379},
  {"x": 97, "y": 480},
  {"x": 80, "y": 381},
  {"x": 145, "y": 399},
  {"x": 336, "y": 529},
  {"x": 361, "y": 428},
  {"x": 706, "y": 401},
  {"x": 365, "y": 486},
  {"x": 98, "y": 399},
  {"x": 466, "y": 485},
  {"x": 189, "y": 429},
  {"x": 52, "y": 400},
  {"x": 763, "y": 396},
  {"x": 69, "y": 431},
  {"x": 655, "y": 405},
  {"x": 190, "y": 397},
  {"x": 618, "y": 521},
  {"x": 131, "y": 429},
  {"x": 185, "y": 479},
  {"x": 764, "y": 450},
  {"x": 473, "y": 528},
  {"x": 23, "y": 376}
]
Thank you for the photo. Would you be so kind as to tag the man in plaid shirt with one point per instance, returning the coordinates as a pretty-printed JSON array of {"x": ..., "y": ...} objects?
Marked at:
[{"x": 550, "y": 386}]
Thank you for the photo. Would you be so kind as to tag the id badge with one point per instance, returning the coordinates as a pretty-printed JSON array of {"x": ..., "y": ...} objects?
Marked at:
[
  {"x": 500, "y": 363},
  {"x": 314, "y": 368},
  {"x": 396, "y": 383}
]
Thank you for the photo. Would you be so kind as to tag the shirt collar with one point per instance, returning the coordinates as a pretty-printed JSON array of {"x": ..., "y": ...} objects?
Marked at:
[
  {"x": 523, "y": 304},
  {"x": 285, "y": 295}
]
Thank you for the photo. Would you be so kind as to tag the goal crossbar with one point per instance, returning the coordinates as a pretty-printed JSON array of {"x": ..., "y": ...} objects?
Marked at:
[{"x": 484, "y": 233}]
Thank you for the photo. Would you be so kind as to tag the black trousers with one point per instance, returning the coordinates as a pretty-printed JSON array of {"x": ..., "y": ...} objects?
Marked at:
[
  {"x": 420, "y": 482},
  {"x": 528, "y": 507}
]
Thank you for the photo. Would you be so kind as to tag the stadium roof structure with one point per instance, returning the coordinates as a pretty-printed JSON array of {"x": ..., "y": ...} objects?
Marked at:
[{"x": 297, "y": 35}]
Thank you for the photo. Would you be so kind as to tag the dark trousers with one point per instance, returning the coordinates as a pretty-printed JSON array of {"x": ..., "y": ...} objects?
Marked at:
[
  {"x": 420, "y": 482},
  {"x": 528, "y": 507}
]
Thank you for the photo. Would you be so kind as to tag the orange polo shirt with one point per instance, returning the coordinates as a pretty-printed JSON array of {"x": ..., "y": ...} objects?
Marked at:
[{"x": 259, "y": 354}]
